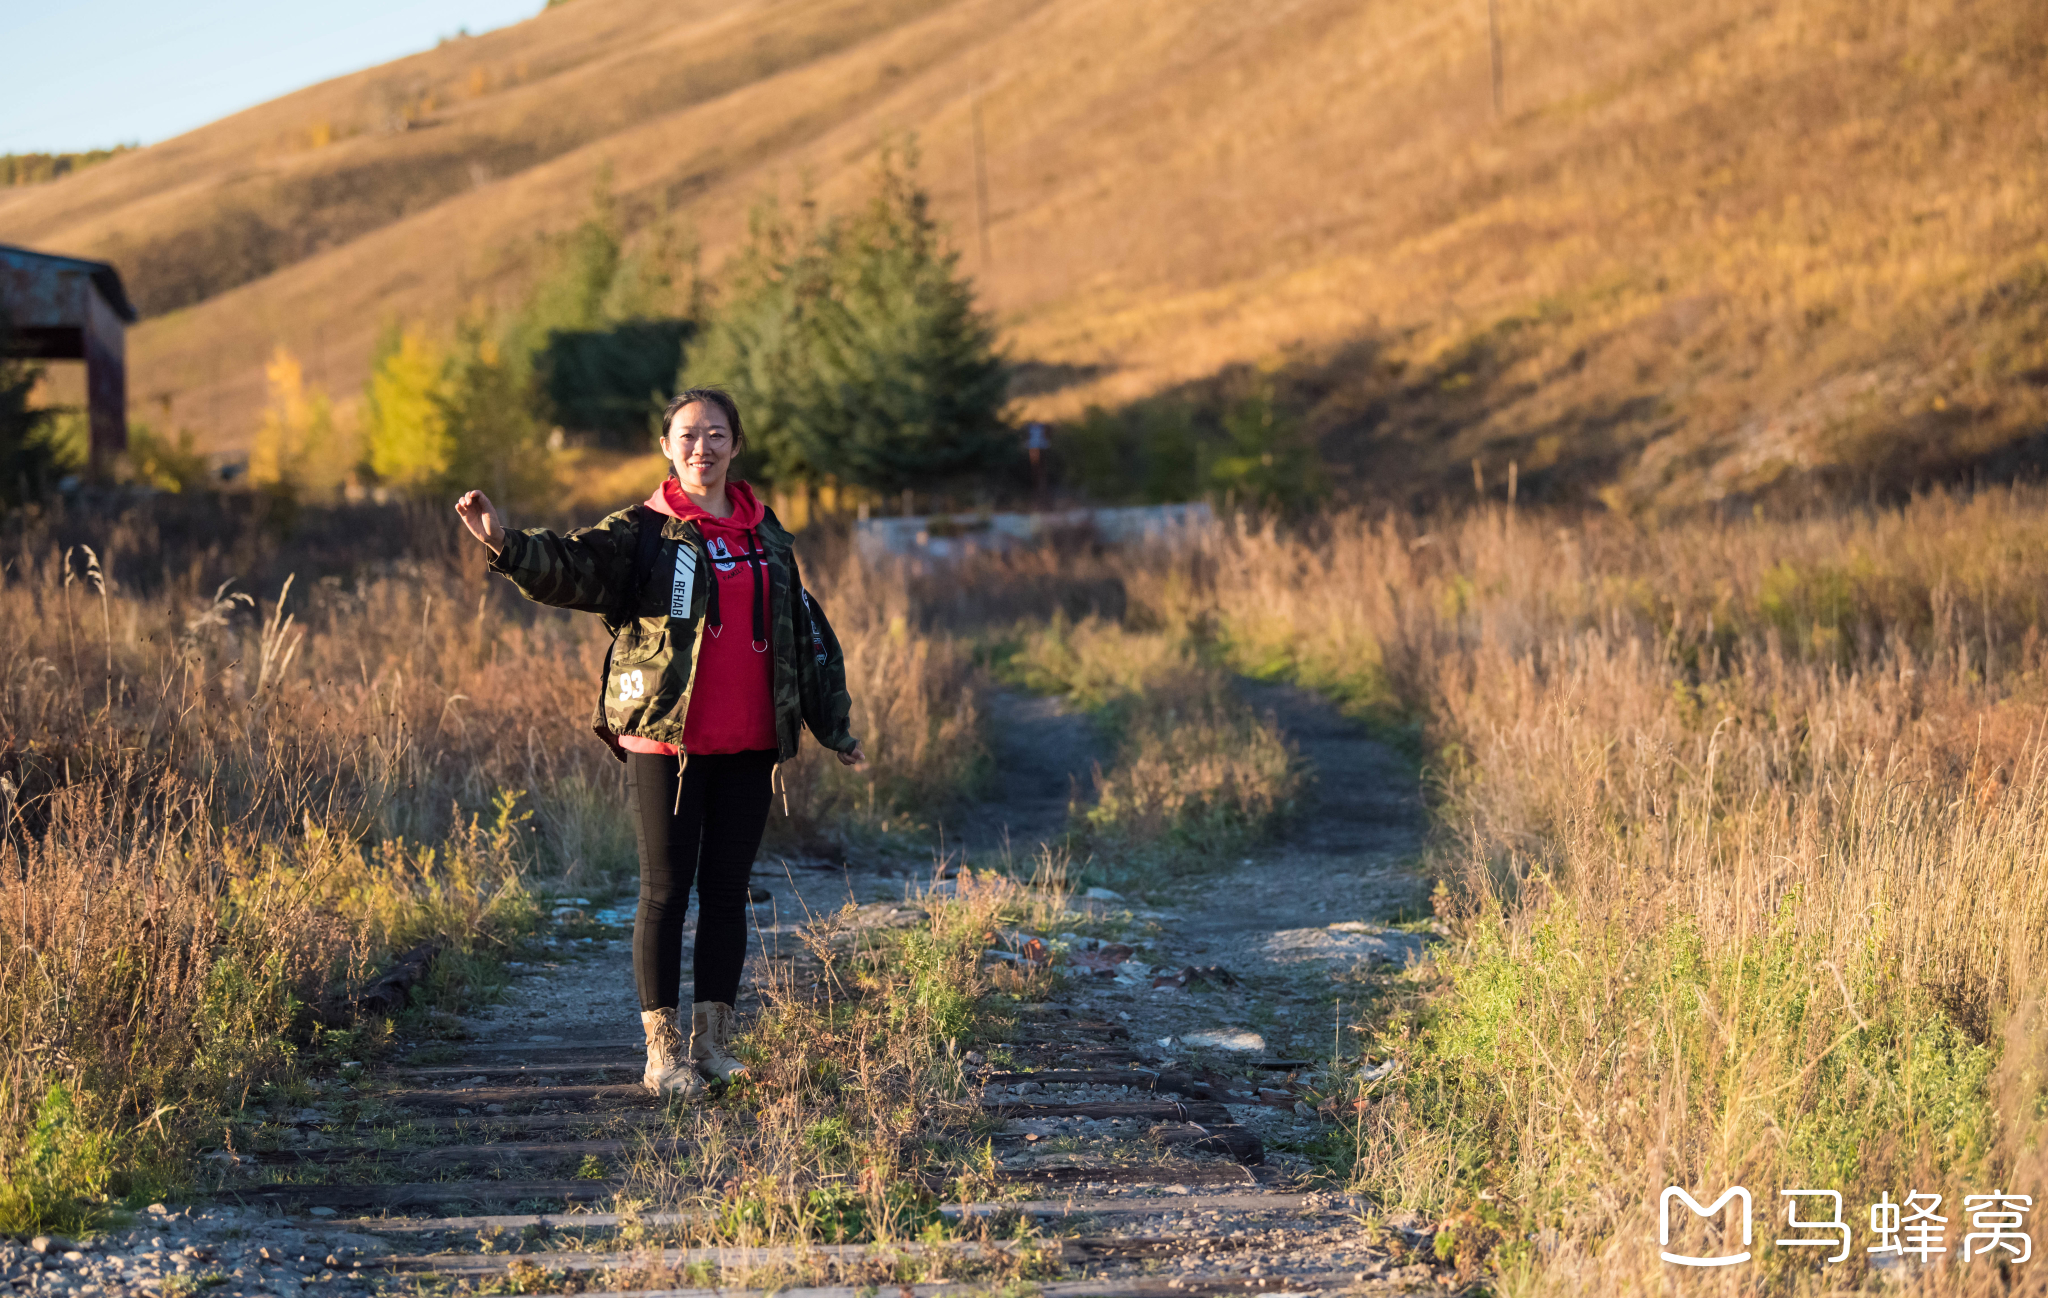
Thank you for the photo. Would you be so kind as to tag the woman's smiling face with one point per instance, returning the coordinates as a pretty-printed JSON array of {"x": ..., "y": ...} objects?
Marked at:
[{"x": 699, "y": 443}]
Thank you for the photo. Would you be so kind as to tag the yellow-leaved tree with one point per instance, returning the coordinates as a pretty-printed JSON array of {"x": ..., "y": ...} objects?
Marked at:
[
  {"x": 405, "y": 412},
  {"x": 444, "y": 417},
  {"x": 297, "y": 428}
]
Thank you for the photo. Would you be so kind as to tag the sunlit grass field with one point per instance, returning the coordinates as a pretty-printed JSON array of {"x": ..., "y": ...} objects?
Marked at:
[
  {"x": 1737, "y": 835},
  {"x": 1736, "y": 831},
  {"x": 227, "y": 807}
]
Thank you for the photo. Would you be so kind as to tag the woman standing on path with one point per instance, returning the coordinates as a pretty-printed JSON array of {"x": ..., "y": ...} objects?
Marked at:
[{"x": 719, "y": 656}]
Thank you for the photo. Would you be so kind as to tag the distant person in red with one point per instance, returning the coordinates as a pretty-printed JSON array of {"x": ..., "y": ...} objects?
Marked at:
[{"x": 719, "y": 658}]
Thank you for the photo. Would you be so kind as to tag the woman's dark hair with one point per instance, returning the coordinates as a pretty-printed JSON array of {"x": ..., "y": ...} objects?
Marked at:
[{"x": 716, "y": 396}]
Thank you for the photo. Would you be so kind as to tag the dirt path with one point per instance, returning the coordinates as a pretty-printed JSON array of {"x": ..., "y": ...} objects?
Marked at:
[
  {"x": 1298, "y": 931},
  {"x": 1153, "y": 1130},
  {"x": 1045, "y": 755},
  {"x": 367, "y": 1181},
  {"x": 1367, "y": 801}
]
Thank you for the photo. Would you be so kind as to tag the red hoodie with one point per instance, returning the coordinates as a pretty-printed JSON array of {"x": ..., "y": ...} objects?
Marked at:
[{"x": 732, "y": 702}]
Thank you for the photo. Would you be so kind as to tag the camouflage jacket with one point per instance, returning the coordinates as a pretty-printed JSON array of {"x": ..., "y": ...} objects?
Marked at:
[{"x": 648, "y": 673}]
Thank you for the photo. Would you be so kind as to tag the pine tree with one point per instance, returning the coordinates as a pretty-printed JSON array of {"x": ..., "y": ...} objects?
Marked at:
[
  {"x": 495, "y": 435},
  {"x": 604, "y": 326},
  {"x": 1269, "y": 460},
  {"x": 438, "y": 419},
  {"x": 856, "y": 350},
  {"x": 759, "y": 345},
  {"x": 25, "y": 454},
  {"x": 594, "y": 347}
]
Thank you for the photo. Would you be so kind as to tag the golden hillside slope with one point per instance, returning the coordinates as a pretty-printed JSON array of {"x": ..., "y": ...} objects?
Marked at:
[{"x": 1705, "y": 247}]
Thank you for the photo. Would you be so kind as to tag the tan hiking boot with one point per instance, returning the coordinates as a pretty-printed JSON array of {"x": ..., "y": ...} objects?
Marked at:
[
  {"x": 670, "y": 1070},
  {"x": 711, "y": 1041}
]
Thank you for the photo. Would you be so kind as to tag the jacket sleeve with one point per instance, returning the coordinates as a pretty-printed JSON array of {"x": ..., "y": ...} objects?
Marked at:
[
  {"x": 821, "y": 675},
  {"x": 582, "y": 570}
]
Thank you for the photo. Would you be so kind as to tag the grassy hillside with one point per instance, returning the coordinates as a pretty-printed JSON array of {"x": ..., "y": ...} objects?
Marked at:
[{"x": 1703, "y": 250}]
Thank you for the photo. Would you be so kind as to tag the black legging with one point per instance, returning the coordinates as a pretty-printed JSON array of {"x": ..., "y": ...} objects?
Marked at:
[{"x": 709, "y": 833}]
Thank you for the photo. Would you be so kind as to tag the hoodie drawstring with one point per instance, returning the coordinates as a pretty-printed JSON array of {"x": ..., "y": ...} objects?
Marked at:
[
  {"x": 712, "y": 621},
  {"x": 759, "y": 559},
  {"x": 756, "y": 559}
]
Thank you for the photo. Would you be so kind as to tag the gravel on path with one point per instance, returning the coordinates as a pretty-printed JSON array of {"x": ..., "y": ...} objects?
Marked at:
[{"x": 1296, "y": 925}]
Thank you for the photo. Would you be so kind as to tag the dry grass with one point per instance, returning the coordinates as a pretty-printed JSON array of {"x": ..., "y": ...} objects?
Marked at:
[
  {"x": 1195, "y": 774},
  {"x": 914, "y": 708},
  {"x": 1708, "y": 250},
  {"x": 594, "y": 481},
  {"x": 222, "y": 813},
  {"x": 1742, "y": 848},
  {"x": 1739, "y": 828},
  {"x": 858, "y": 1122}
]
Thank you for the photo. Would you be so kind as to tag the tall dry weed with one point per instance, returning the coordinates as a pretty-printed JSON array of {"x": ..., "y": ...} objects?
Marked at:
[
  {"x": 864, "y": 1122},
  {"x": 914, "y": 707},
  {"x": 1194, "y": 772},
  {"x": 1740, "y": 827},
  {"x": 226, "y": 803}
]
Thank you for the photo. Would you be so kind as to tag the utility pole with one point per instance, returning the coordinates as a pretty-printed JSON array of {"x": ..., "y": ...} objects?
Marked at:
[
  {"x": 981, "y": 188},
  {"x": 1493, "y": 33}
]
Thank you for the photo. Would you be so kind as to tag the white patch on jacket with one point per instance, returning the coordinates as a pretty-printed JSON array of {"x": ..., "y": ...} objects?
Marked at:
[{"x": 686, "y": 573}]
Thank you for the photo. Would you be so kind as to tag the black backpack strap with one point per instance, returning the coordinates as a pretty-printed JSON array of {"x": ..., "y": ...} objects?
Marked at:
[{"x": 646, "y": 549}]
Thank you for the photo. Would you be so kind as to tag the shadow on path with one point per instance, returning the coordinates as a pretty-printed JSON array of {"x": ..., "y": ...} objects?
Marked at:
[
  {"x": 1366, "y": 799},
  {"x": 1045, "y": 755}
]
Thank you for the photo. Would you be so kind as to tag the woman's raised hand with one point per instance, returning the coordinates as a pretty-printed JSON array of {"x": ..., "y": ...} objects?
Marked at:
[{"x": 482, "y": 519}]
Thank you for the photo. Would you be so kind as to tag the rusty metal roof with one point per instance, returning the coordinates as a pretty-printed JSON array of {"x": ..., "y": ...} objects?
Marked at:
[{"x": 38, "y": 279}]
